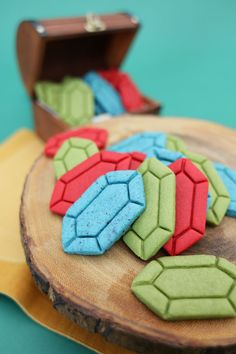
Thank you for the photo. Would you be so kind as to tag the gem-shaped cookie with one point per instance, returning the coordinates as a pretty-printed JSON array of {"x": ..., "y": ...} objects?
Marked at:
[
  {"x": 229, "y": 178},
  {"x": 104, "y": 212},
  {"x": 129, "y": 93},
  {"x": 105, "y": 96},
  {"x": 188, "y": 287},
  {"x": 76, "y": 106},
  {"x": 74, "y": 183},
  {"x": 219, "y": 194},
  {"x": 48, "y": 93},
  {"x": 144, "y": 142},
  {"x": 98, "y": 135},
  {"x": 156, "y": 224},
  {"x": 72, "y": 152},
  {"x": 191, "y": 206}
]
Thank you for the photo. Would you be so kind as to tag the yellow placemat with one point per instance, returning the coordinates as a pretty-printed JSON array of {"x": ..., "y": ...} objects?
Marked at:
[{"x": 17, "y": 155}]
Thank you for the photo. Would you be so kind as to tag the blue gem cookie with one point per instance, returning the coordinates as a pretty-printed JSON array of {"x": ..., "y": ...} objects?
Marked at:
[
  {"x": 103, "y": 213},
  {"x": 106, "y": 98}
]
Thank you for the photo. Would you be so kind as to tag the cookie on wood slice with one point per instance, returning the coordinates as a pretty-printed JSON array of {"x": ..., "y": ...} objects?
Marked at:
[{"x": 94, "y": 292}]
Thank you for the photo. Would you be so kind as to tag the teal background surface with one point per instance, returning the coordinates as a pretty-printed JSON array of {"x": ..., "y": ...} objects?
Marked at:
[{"x": 184, "y": 55}]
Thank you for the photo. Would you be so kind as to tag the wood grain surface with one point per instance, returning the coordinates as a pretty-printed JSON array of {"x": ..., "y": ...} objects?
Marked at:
[{"x": 95, "y": 291}]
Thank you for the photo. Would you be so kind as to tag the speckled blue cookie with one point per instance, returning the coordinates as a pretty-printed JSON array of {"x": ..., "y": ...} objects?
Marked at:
[
  {"x": 106, "y": 98},
  {"x": 229, "y": 178},
  {"x": 103, "y": 213},
  {"x": 144, "y": 142}
]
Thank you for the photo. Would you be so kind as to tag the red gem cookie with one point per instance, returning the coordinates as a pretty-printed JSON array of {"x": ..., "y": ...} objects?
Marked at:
[
  {"x": 130, "y": 95},
  {"x": 98, "y": 135},
  {"x": 191, "y": 206},
  {"x": 74, "y": 183}
]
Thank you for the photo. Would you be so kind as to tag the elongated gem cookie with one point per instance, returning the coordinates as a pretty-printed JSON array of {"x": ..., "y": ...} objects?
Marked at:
[
  {"x": 188, "y": 287},
  {"x": 156, "y": 224},
  {"x": 144, "y": 142},
  {"x": 129, "y": 93},
  {"x": 104, "y": 212},
  {"x": 229, "y": 178},
  {"x": 98, "y": 135},
  {"x": 191, "y": 206},
  {"x": 105, "y": 96},
  {"x": 219, "y": 194},
  {"x": 72, "y": 152},
  {"x": 70, "y": 186}
]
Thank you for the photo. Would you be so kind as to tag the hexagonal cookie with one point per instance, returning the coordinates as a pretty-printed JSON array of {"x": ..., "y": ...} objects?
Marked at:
[
  {"x": 74, "y": 183},
  {"x": 188, "y": 287},
  {"x": 76, "y": 106},
  {"x": 72, "y": 152},
  {"x": 48, "y": 93},
  {"x": 219, "y": 194},
  {"x": 191, "y": 206},
  {"x": 156, "y": 224},
  {"x": 98, "y": 135},
  {"x": 104, "y": 212}
]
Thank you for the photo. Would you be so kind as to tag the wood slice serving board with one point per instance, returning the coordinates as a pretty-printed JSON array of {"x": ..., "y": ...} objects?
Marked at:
[{"x": 95, "y": 291}]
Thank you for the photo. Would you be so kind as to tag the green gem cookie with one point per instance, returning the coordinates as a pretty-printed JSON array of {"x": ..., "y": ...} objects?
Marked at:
[
  {"x": 219, "y": 195},
  {"x": 48, "y": 93},
  {"x": 156, "y": 224},
  {"x": 72, "y": 152},
  {"x": 188, "y": 287},
  {"x": 76, "y": 106},
  {"x": 175, "y": 144}
]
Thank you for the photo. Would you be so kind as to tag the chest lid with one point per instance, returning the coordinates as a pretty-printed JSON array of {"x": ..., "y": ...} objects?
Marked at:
[{"x": 52, "y": 49}]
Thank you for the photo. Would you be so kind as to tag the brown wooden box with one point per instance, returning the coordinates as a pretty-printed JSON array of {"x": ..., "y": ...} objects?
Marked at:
[{"x": 53, "y": 49}]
